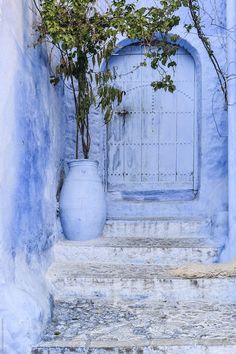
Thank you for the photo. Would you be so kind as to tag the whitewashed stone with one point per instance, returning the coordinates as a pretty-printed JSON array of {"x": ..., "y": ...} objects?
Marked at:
[
  {"x": 128, "y": 294},
  {"x": 160, "y": 228},
  {"x": 138, "y": 251},
  {"x": 135, "y": 282}
]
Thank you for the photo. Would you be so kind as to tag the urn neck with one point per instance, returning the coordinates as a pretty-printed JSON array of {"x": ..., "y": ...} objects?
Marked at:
[{"x": 82, "y": 163}]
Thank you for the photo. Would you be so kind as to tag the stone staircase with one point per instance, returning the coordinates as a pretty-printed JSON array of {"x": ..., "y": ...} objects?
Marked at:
[{"x": 146, "y": 286}]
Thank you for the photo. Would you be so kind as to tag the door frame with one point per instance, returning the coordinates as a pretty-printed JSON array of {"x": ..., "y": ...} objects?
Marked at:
[{"x": 184, "y": 195}]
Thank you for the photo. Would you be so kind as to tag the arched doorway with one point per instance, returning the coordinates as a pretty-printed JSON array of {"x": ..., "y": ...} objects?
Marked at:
[{"x": 151, "y": 141}]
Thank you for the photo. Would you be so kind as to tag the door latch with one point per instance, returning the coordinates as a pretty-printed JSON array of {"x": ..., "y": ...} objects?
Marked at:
[{"x": 123, "y": 113}]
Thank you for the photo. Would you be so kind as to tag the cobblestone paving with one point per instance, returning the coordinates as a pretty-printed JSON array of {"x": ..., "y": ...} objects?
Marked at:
[{"x": 88, "y": 322}]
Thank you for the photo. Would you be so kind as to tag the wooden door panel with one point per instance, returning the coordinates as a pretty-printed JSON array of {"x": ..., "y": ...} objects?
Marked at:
[
  {"x": 150, "y": 128},
  {"x": 116, "y": 164},
  {"x": 167, "y": 162},
  {"x": 185, "y": 67},
  {"x": 168, "y": 128},
  {"x": 185, "y": 127},
  {"x": 152, "y": 147},
  {"x": 132, "y": 163},
  {"x": 150, "y": 168},
  {"x": 184, "y": 163},
  {"x": 165, "y": 102}
]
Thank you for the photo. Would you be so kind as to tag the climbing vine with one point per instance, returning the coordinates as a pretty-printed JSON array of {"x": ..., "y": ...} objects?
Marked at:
[
  {"x": 86, "y": 35},
  {"x": 195, "y": 12}
]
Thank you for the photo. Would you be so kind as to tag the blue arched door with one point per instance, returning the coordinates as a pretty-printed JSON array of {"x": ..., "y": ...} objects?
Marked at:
[{"x": 151, "y": 141}]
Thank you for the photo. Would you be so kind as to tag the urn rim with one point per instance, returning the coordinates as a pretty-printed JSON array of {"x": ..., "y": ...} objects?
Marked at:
[{"x": 84, "y": 162}]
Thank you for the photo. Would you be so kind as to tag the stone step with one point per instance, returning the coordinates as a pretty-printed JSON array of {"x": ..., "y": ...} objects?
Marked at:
[
  {"x": 158, "y": 347},
  {"x": 142, "y": 283},
  {"x": 160, "y": 228},
  {"x": 137, "y": 251},
  {"x": 85, "y": 326}
]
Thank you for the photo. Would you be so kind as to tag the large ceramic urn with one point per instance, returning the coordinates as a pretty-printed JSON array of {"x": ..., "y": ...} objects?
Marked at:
[{"x": 82, "y": 201}]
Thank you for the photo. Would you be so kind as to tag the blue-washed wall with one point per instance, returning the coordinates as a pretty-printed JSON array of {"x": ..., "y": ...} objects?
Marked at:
[
  {"x": 211, "y": 200},
  {"x": 31, "y": 152},
  {"x": 31, "y": 159}
]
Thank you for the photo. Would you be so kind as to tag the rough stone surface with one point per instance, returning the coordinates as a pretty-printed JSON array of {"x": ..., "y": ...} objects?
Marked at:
[
  {"x": 206, "y": 271},
  {"x": 173, "y": 347},
  {"x": 138, "y": 250},
  {"x": 88, "y": 324},
  {"x": 158, "y": 227},
  {"x": 132, "y": 294},
  {"x": 137, "y": 282}
]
